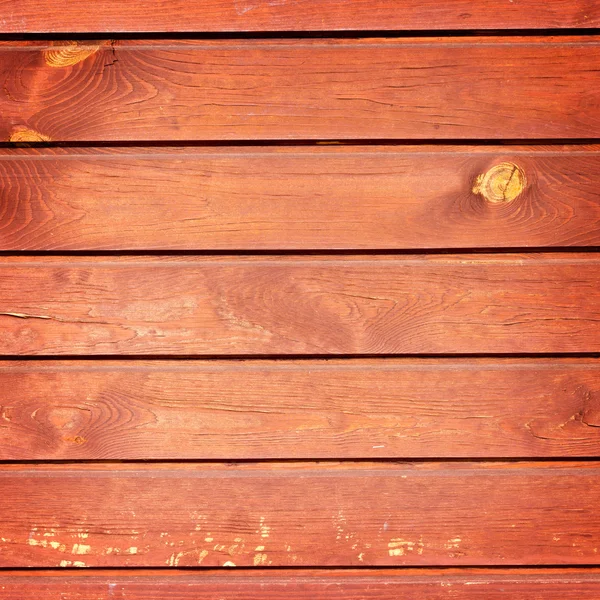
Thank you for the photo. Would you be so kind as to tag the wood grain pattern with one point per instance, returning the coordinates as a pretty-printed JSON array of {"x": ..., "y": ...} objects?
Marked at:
[
  {"x": 492, "y": 88},
  {"x": 301, "y": 514},
  {"x": 279, "y": 584},
  {"x": 31, "y": 16},
  {"x": 299, "y": 409},
  {"x": 265, "y": 198},
  {"x": 300, "y": 305}
]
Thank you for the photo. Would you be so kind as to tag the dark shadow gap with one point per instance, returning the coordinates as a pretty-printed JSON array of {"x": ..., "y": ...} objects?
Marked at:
[
  {"x": 267, "y": 35},
  {"x": 223, "y": 571},
  {"x": 232, "y": 462},
  {"x": 295, "y": 357},
  {"x": 557, "y": 250},
  {"x": 304, "y": 142}
]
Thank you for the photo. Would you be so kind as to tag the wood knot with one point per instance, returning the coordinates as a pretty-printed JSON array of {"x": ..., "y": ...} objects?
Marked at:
[
  {"x": 28, "y": 135},
  {"x": 69, "y": 54},
  {"x": 76, "y": 440},
  {"x": 502, "y": 183}
]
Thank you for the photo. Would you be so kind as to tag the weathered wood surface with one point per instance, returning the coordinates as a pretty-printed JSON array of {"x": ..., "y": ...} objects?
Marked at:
[
  {"x": 302, "y": 514},
  {"x": 302, "y": 409},
  {"x": 265, "y": 198},
  {"x": 44, "y": 16},
  {"x": 300, "y": 305},
  {"x": 280, "y": 584},
  {"x": 451, "y": 88}
]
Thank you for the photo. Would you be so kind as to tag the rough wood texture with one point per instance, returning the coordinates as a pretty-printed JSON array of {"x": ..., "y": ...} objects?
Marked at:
[
  {"x": 259, "y": 198},
  {"x": 35, "y": 16},
  {"x": 493, "y": 88},
  {"x": 281, "y": 584},
  {"x": 300, "y": 305},
  {"x": 300, "y": 514},
  {"x": 302, "y": 409}
]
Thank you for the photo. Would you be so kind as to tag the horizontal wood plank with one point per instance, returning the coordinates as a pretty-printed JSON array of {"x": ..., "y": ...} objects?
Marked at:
[
  {"x": 389, "y": 197},
  {"x": 301, "y": 514},
  {"x": 301, "y": 409},
  {"x": 451, "y": 88},
  {"x": 43, "y": 16},
  {"x": 300, "y": 305},
  {"x": 280, "y": 584}
]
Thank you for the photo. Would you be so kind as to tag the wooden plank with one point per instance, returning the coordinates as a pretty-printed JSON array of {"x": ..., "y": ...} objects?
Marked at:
[
  {"x": 29, "y": 16},
  {"x": 279, "y": 584},
  {"x": 345, "y": 197},
  {"x": 302, "y": 514},
  {"x": 451, "y": 88},
  {"x": 300, "y": 409},
  {"x": 300, "y": 305}
]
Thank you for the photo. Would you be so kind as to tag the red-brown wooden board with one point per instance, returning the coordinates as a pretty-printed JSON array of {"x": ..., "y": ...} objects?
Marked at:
[
  {"x": 300, "y": 305},
  {"x": 281, "y": 584},
  {"x": 265, "y": 198},
  {"x": 300, "y": 514},
  {"x": 299, "y": 409},
  {"x": 451, "y": 88},
  {"x": 36, "y": 16}
]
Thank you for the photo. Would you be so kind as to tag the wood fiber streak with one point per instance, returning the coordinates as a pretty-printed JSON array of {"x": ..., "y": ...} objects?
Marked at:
[
  {"x": 37, "y": 16},
  {"x": 303, "y": 198},
  {"x": 301, "y": 409},
  {"x": 280, "y": 584},
  {"x": 300, "y": 305},
  {"x": 300, "y": 514},
  {"x": 450, "y": 88}
]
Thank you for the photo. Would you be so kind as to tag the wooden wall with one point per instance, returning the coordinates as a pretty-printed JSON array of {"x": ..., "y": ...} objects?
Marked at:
[{"x": 299, "y": 300}]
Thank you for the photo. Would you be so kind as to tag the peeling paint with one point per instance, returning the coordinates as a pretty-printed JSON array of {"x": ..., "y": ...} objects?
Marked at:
[
  {"x": 260, "y": 559},
  {"x": 400, "y": 547},
  {"x": 81, "y": 549}
]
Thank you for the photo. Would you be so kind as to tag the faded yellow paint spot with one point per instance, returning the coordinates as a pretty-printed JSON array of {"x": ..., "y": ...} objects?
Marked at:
[
  {"x": 33, "y": 542},
  {"x": 453, "y": 543},
  {"x": 263, "y": 529},
  {"x": 81, "y": 549},
  {"x": 400, "y": 547},
  {"x": 75, "y": 563},
  {"x": 132, "y": 550},
  {"x": 27, "y": 135},
  {"x": 202, "y": 556},
  {"x": 260, "y": 559},
  {"x": 67, "y": 54},
  {"x": 260, "y": 549},
  {"x": 361, "y": 556},
  {"x": 502, "y": 183},
  {"x": 229, "y": 564},
  {"x": 209, "y": 539},
  {"x": 58, "y": 546}
]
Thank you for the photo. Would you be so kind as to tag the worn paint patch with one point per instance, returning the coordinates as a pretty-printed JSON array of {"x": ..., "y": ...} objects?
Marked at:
[
  {"x": 502, "y": 183},
  {"x": 69, "y": 54},
  {"x": 263, "y": 529},
  {"x": 75, "y": 563},
  {"x": 400, "y": 547},
  {"x": 229, "y": 564},
  {"x": 58, "y": 546},
  {"x": 81, "y": 549},
  {"x": 27, "y": 135},
  {"x": 260, "y": 559}
]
